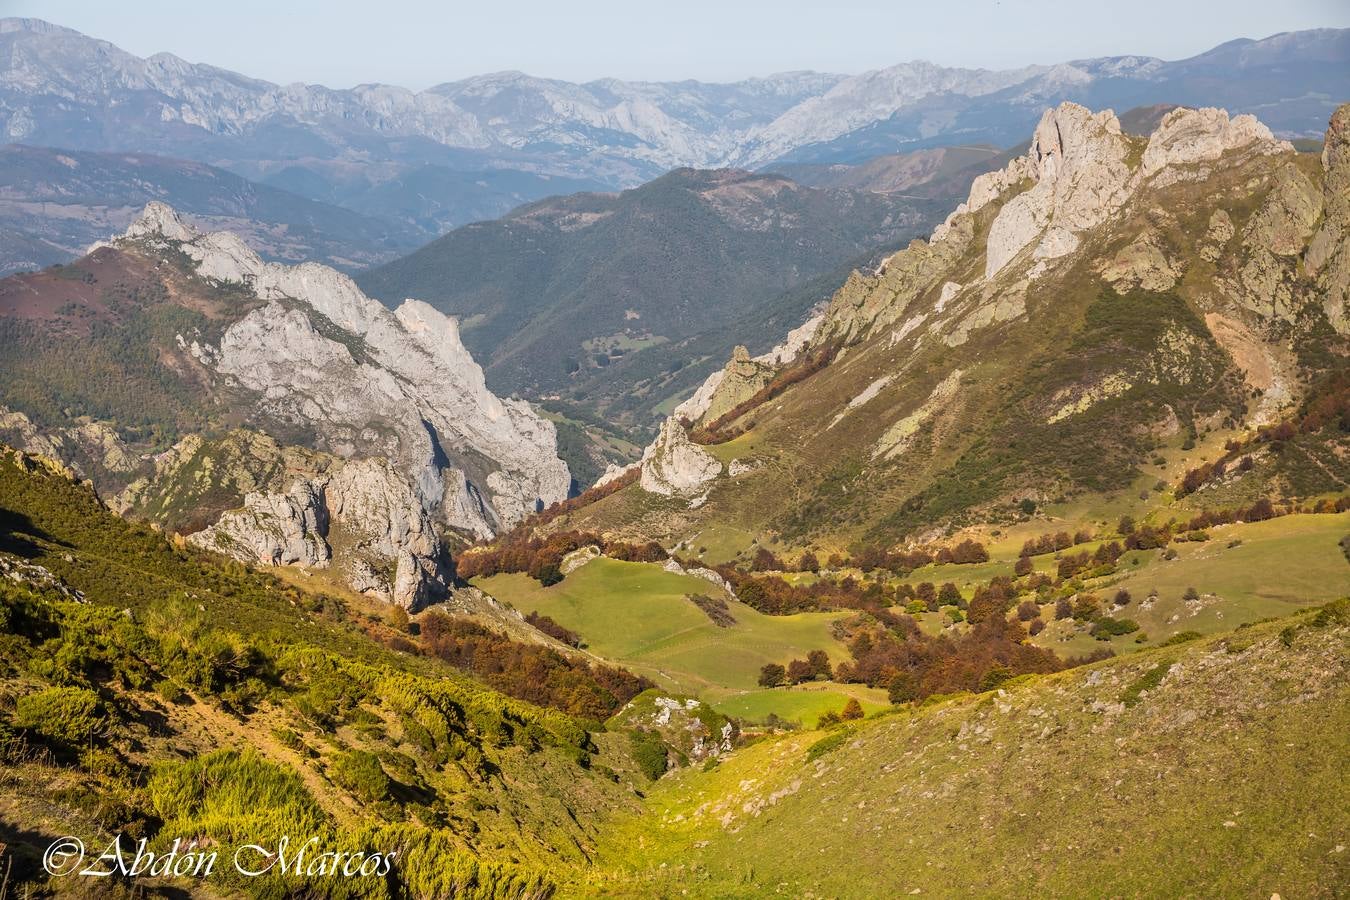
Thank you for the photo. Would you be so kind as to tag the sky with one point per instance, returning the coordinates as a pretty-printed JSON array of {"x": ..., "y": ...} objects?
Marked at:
[{"x": 341, "y": 43}]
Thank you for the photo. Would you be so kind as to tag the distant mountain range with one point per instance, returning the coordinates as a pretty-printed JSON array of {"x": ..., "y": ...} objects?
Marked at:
[{"x": 358, "y": 147}]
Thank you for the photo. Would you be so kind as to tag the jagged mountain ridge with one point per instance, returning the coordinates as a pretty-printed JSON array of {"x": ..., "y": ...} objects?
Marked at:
[
  {"x": 1101, "y": 299},
  {"x": 63, "y": 89},
  {"x": 296, "y": 418}
]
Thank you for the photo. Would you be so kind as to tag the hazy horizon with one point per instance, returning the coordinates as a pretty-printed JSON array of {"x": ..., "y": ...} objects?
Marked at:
[{"x": 417, "y": 45}]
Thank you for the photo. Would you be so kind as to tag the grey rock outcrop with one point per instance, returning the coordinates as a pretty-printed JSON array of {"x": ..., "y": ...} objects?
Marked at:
[
  {"x": 369, "y": 381},
  {"x": 388, "y": 542},
  {"x": 1078, "y": 159},
  {"x": 273, "y": 528},
  {"x": 82, "y": 446},
  {"x": 1328, "y": 255},
  {"x": 674, "y": 466}
]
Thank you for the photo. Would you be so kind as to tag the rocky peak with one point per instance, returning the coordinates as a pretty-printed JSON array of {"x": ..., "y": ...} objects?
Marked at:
[
  {"x": 1078, "y": 159},
  {"x": 393, "y": 384},
  {"x": 1328, "y": 254},
  {"x": 1187, "y": 136}
]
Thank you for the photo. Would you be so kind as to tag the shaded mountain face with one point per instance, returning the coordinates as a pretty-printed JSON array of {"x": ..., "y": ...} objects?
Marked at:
[
  {"x": 274, "y": 413},
  {"x": 1104, "y": 302},
  {"x": 594, "y": 297},
  {"x": 894, "y": 173},
  {"x": 62, "y": 201},
  {"x": 60, "y": 88}
]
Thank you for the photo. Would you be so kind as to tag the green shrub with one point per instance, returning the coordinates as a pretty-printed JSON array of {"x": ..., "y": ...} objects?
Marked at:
[
  {"x": 360, "y": 772},
  {"x": 1105, "y": 627},
  {"x": 649, "y": 752},
  {"x": 1146, "y": 682},
  {"x": 830, "y": 742},
  {"x": 1181, "y": 637},
  {"x": 71, "y": 717}
]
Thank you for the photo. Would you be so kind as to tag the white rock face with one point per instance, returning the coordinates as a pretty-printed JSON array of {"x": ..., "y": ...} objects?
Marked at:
[
  {"x": 614, "y": 472},
  {"x": 1187, "y": 136},
  {"x": 395, "y": 384},
  {"x": 786, "y": 351},
  {"x": 390, "y": 546},
  {"x": 1078, "y": 159},
  {"x": 275, "y": 529},
  {"x": 672, "y": 465}
]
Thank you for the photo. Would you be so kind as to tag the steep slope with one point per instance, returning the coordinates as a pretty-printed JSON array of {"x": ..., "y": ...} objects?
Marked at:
[
  {"x": 1104, "y": 303},
  {"x": 155, "y": 692},
  {"x": 69, "y": 199},
  {"x": 309, "y": 423},
  {"x": 893, "y": 173},
  {"x": 1215, "y": 768},
  {"x": 568, "y": 294}
]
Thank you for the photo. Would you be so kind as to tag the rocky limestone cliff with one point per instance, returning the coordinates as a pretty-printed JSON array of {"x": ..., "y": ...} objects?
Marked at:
[
  {"x": 387, "y": 543},
  {"x": 1080, "y": 173},
  {"x": 1328, "y": 255},
  {"x": 372, "y": 382},
  {"x": 673, "y": 466}
]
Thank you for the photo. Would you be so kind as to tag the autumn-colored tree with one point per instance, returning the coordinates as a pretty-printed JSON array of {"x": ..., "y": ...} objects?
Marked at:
[
  {"x": 968, "y": 552},
  {"x": 903, "y": 688},
  {"x": 1121, "y": 598},
  {"x": 1036, "y": 627},
  {"x": 949, "y": 595},
  {"x": 808, "y": 563},
  {"x": 799, "y": 670},
  {"x": 1023, "y": 566},
  {"x": 1027, "y": 610},
  {"x": 926, "y": 593},
  {"x": 1087, "y": 607},
  {"x": 852, "y": 709},
  {"x": 1063, "y": 608},
  {"x": 765, "y": 561},
  {"x": 819, "y": 661}
]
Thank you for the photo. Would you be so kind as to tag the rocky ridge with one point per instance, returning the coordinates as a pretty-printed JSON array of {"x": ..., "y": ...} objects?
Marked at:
[
  {"x": 1226, "y": 242},
  {"x": 370, "y": 381}
]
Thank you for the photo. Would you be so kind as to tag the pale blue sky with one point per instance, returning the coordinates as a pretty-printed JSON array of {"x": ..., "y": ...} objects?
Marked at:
[{"x": 417, "y": 44}]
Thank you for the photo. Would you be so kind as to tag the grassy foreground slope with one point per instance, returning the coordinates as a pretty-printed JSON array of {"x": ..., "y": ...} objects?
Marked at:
[
  {"x": 157, "y": 692},
  {"x": 1220, "y": 767}
]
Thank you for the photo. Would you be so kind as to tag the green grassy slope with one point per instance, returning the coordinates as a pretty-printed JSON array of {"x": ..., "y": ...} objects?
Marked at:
[
  {"x": 226, "y": 703},
  {"x": 638, "y": 615},
  {"x": 1215, "y": 768}
]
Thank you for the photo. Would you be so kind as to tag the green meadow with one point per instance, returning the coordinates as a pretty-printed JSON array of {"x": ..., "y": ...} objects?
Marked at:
[{"x": 639, "y": 615}]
